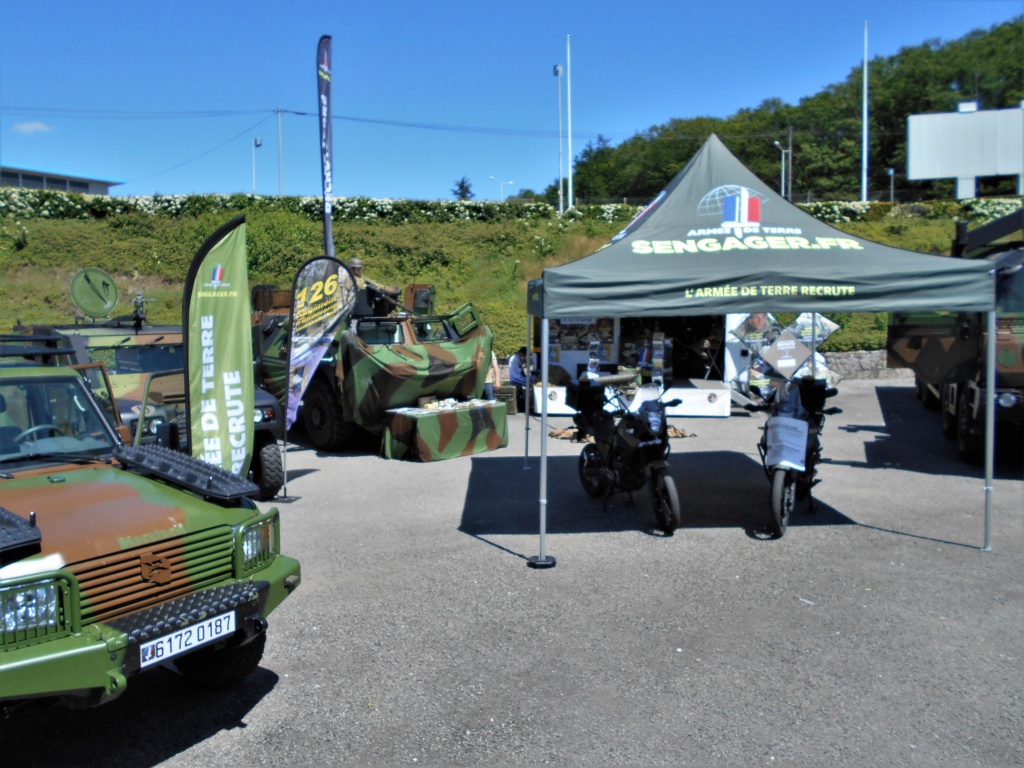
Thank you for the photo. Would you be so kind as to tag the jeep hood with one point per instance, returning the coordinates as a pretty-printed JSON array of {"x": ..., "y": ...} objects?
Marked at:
[{"x": 87, "y": 513}]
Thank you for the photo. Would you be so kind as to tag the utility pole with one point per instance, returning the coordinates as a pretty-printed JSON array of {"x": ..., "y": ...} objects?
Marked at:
[{"x": 280, "y": 157}]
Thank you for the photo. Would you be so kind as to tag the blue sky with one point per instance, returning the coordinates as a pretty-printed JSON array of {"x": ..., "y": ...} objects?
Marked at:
[{"x": 169, "y": 97}]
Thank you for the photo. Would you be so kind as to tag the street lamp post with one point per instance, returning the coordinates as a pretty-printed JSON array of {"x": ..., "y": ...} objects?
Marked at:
[
  {"x": 501, "y": 188},
  {"x": 257, "y": 142},
  {"x": 782, "y": 184},
  {"x": 561, "y": 202},
  {"x": 892, "y": 187}
]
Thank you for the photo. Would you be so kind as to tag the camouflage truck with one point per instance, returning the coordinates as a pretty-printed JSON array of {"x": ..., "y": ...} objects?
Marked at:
[
  {"x": 947, "y": 350},
  {"x": 145, "y": 367},
  {"x": 117, "y": 559},
  {"x": 378, "y": 362}
]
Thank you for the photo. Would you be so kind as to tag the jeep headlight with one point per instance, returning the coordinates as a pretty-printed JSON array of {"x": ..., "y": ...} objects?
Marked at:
[
  {"x": 259, "y": 543},
  {"x": 31, "y": 607},
  {"x": 261, "y": 415}
]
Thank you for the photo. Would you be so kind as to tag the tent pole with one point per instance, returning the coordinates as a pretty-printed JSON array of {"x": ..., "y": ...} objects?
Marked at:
[
  {"x": 990, "y": 425},
  {"x": 543, "y": 560},
  {"x": 528, "y": 389}
]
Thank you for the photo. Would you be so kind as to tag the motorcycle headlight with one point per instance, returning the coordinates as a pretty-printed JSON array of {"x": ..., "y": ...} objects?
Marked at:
[
  {"x": 652, "y": 414},
  {"x": 31, "y": 607}
]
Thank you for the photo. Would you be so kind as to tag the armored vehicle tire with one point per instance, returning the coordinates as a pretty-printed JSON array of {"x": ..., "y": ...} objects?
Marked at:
[
  {"x": 267, "y": 469},
  {"x": 969, "y": 442},
  {"x": 222, "y": 667},
  {"x": 590, "y": 466},
  {"x": 783, "y": 500},
  {"x": 323, "y": 418},
  {"x": 666, "y": 502},
  {"x": 949, "y": 420},
  {"x": 928, "y": 398}
]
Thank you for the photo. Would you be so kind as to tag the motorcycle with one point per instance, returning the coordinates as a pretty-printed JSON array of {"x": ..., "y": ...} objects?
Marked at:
[
  {"x": 630, "y": 448},
  {"x": 790, "y": 445}
]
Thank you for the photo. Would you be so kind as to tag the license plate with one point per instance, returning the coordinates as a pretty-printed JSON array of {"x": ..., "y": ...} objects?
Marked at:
[{"x": 186, "y": 639}]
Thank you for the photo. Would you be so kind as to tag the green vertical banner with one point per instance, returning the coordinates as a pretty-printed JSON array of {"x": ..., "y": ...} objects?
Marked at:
[{"x": 218, "y": 351}]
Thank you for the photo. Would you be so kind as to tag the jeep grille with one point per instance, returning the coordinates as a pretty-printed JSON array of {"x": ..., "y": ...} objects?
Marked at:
[{"x": 116, "y": 585}]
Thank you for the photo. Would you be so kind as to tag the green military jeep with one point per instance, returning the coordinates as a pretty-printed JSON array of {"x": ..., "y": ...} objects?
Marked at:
[{"x": 116, "y": 559}]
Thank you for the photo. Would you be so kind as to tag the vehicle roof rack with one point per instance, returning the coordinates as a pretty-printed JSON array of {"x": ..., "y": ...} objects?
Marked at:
[{"x": 182, "y": 470}]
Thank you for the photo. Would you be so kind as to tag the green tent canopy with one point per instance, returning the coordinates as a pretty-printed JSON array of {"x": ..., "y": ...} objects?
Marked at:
[{"x": 718, "y": 240}]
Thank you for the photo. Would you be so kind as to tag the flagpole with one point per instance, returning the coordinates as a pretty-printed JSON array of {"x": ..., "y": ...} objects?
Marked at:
[
  {"x": 864, "y": 123},
  {"x": 323, "y": 81},
  {"x": 568, "y": 108}
]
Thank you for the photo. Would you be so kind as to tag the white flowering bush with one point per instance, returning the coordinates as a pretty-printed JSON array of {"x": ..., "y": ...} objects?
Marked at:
[
  {"x": 838, "y": 212},
  {"x": 27, "y": 204},
  {"x": 982, "y": 210}
]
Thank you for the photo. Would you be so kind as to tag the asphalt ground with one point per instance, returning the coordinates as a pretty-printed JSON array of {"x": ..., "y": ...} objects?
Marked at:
[{"x": 874, "y": 633}]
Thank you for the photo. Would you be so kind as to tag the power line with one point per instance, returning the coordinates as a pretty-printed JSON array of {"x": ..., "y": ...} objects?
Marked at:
[{"x": 202, "y": 154}]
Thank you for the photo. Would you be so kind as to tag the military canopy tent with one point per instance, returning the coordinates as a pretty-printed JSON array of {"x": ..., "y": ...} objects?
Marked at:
[{"x": 717, "y": 240}]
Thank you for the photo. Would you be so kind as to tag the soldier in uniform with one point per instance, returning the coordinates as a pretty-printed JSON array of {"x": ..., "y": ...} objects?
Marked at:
[{"x": 368, "y": 292}]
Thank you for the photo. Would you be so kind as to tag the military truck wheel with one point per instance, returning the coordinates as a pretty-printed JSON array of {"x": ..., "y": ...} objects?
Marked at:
[
  {"x": 222, "y": 667},
  {"x": 970, "y": 444},
  {"x": 267, "y": 469},
  {"x": 323, "y": 419}
]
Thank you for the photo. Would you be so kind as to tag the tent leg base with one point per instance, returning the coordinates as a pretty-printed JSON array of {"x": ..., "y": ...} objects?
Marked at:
[{"x": 541, "y": 562}]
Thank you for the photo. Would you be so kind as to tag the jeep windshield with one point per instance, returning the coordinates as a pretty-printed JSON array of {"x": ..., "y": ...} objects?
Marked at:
[{"x": 51, "y": 419}]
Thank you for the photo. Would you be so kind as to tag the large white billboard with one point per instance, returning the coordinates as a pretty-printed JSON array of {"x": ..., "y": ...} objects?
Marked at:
[{"x": 965, "y": 144}]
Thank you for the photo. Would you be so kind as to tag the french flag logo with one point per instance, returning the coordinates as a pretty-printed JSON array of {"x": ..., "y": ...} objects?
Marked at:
[
  {"x": 218, "y": 275},
  {"x": 741, "y": 210}
]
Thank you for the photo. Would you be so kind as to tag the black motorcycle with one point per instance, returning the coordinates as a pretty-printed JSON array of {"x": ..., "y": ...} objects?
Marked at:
[
  {"x": 790, "y": 452},
  {"x": 630, "y": 449}
]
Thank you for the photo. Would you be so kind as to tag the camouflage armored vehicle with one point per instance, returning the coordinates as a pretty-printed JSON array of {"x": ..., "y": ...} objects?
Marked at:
[
  {"x": 145, "y": 368},
  {"x": 117, "y": 559},
  {"x": 947, "y": 350},
  {"x": 379, "y": 362}
]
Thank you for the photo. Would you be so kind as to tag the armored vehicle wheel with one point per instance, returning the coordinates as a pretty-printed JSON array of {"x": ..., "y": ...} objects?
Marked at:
[
  {"x": 969, "y": 441},
  {"x": 949, "y": 418},
  {"x": 222, "y": 667},
  {"x": 590, "y": 466},
  {"x": 323, "y": 419},
  {"x": 666, "y": 501},
  {"x": 267, "y": 469},
  {"x": 782, "y": 502}
]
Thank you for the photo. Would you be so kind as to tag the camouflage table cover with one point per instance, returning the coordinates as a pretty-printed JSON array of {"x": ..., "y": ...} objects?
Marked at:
[{"x": 422, "y": 434}]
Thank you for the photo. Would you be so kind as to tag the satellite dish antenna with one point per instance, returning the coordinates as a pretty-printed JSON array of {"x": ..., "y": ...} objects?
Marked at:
[{"x": 93, "y": 292}]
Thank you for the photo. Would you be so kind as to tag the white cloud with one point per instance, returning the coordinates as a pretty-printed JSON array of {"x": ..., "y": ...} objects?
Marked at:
[{"x": 27, "y": 128}]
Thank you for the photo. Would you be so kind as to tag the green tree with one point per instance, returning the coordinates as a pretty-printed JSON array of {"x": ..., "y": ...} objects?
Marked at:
[{"x": 463, "y": 190}]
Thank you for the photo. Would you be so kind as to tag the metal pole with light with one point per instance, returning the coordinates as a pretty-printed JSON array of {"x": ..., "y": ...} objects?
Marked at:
[
  {"x": 782, "y": 170},
  {"x": 257, "y": 142},
  {"x": 558, "y": 76},
  {"x": 892, "y": 176},
  {"x": 501, "y": 188}
]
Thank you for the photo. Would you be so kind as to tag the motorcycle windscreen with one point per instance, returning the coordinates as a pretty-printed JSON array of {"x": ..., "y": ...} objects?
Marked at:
[{"x": 787, "y": 443}]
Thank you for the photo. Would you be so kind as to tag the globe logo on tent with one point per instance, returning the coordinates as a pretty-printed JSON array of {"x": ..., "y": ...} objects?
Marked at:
[{"x": 739, "y": 207}]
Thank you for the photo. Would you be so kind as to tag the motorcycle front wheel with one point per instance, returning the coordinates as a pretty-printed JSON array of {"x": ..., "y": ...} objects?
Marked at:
[
  {"x": 782, "y": 502},
  {"x": 665, "y": 500},
  {"x": 590, "y": 466}
]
